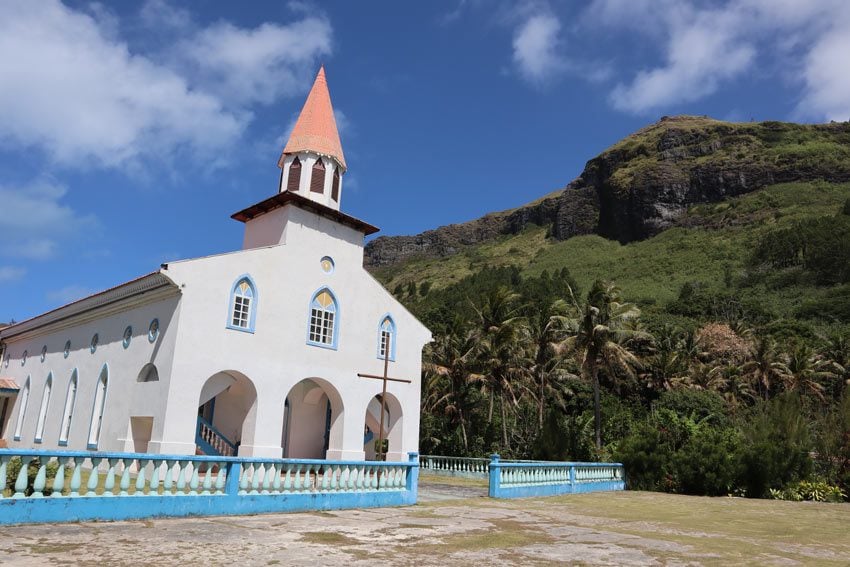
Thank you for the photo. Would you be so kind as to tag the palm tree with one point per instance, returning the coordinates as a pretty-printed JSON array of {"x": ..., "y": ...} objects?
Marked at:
[
  {"x": 765, "y": 367},
  {"x": 598, "y": 338},
  {"x": 807, "y": 372},
  {"x": 730, "y": 380},
  {"x": 548, "y": 371},
  {"x": 449, "y": 371},
  {"x": 501, "y": 335}
]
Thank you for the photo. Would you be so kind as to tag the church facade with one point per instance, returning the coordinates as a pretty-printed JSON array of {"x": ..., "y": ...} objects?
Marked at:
[{"x": 255, "y": 352}]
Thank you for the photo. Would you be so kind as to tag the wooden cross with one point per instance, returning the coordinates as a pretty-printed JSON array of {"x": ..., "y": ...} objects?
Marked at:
[{"x": 380, "y": 453}]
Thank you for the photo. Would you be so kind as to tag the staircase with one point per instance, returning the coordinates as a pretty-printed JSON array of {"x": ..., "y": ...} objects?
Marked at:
[{"x": 210, "y": 441}]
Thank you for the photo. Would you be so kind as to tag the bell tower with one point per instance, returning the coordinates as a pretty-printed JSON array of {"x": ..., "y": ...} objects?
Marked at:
[{"x": 312, "y": 163}]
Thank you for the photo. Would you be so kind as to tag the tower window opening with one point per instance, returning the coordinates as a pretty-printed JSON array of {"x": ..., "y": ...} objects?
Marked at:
[
  {"x": 317, "y": 181},
  {"x": 294, "y": 179},
  {"x": 335, "y": 186}
]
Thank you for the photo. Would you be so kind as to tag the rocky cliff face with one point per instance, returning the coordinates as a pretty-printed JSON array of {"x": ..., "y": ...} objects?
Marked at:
[{"x": 644, "y": 183}]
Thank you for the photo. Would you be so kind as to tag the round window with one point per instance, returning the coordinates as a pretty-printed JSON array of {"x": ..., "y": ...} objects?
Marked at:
[
  {"x": 24, "y": 358},
  {"x": 94, "y": 340},
  {"x": 67, "y": 349},
  {"x": 153, "y": 330},
  {"x": 128, "y": 336},
  {"x": 43, "y": 353},
  {"x": 327, "y": 264}
]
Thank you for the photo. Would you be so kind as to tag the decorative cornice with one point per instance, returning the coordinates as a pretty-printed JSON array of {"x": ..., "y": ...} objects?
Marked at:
[{"x": 142, "y": 290}]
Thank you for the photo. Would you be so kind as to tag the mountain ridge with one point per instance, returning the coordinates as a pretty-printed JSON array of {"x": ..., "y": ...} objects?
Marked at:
[{"x": 644, "y": 183}]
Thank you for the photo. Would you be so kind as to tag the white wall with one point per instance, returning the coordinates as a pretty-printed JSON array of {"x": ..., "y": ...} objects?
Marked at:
[
  {"x": 124, "y": 397},
  {"x": 275, "y": 357}
]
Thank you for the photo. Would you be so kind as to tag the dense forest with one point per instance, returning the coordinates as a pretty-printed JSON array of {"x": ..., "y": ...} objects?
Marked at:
[{"x": 710, "y": 358}]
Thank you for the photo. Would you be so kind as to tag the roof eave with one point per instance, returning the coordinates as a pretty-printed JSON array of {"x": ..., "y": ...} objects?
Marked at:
[{"x": 286, "y": 198}]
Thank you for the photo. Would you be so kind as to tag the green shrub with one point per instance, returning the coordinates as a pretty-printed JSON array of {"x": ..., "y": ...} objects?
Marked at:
[
  {"x": 13, "y": 468},
  {"x": 646, "y": 458},
  {"x": 814, "y": 491},
  {"x": 709, "y": 462},
  {"x": 776, "y": 447}
]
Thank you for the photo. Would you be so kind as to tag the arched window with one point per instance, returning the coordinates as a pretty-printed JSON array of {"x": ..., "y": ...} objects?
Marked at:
[
  {"x": 45, "y": 404},
  {"x": 317, "y": 180},
  {"x": 148, "y": 374},
  {"x": 68, "y": 414},
  {"x": 97, "y": 409},
  {"x": 294, "y": 175},
  {"x": 386, "y": 337},
  {"x": 335, "y": 185},
  {"x": 323, "y": 320},
  {"x": 22, "y": 409},
  {"x": 243, "y": 305}
]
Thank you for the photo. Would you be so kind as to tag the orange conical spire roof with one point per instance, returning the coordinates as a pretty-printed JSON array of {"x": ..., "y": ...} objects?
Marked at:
[{"x": 315, "y": 130}]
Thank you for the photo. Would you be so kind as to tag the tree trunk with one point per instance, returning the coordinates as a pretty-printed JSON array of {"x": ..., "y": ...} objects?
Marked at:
[
  {"x": 597, "y": 410},
  {"x": 490, "y": 412},
  {"x": 463, "y": 430},
  {"x": 540, "y": 401},
  {"x": 504, "y": 422}
]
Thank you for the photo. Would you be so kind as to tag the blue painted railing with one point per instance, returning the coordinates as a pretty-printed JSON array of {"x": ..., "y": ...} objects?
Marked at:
[
  {"x": 71, "y": 486},
  {"x": 512, "y": 479},
  {"x": 455, "y": 466},
  {"x": 212, "y": 441}
]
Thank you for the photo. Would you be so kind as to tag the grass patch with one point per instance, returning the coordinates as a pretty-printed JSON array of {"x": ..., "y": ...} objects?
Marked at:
[
  {"x": 505, "y": 534},
  {"x": 329, "y": 538}
]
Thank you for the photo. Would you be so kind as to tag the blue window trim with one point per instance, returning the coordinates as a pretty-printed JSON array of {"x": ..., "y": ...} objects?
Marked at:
[
  {"x": 66, "y": 352},
  {"x": 95, "y": 341},
  {"x": 153, "y": 336},
  {"x": 335, "y": 343},
  {"x": 255, "y": 297},
  {"x": 125, "y": 339},
  {"x": 75, "y": 375},
  {"x": 393, "y": 337},
  {"x": 47, "y": 382},
  {"x": 23, "y": 414},
  {"x": 94, "y": 445},
  {"x": 333, "y": 264}
]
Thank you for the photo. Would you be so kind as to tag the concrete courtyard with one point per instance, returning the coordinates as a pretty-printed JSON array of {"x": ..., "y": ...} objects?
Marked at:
[{"x": 454, "y": 524}]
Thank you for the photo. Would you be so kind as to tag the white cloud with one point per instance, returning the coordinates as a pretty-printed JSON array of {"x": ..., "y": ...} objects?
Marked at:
[
  {"x": 535, "y": 48},
  {"x": 706, "y": 46},
  {"x": 827, "y": 93},
  {"x": 160, "y": 14},
  {"x": 11, "y": 273},
  {"x": 68, "y": 294},
  {"x": 257, "y": 65},
  {"x": 34, "y": 220},
  {"x": 80, "y": 94}
]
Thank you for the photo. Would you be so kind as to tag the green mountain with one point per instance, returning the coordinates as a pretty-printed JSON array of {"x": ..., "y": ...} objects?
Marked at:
[{"x": 752, "y": 214}]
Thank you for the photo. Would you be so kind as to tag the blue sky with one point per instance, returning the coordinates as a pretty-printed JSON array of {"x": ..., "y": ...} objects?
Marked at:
[{"x": 131, "y": 131}]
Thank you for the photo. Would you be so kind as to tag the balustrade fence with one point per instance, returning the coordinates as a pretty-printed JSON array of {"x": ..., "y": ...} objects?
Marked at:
[
  {"x": 513, "y": 479},
  {"x": 68, "y": 486}
]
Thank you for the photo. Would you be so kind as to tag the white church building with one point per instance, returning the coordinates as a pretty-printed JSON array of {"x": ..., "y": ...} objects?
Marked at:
[{"x": 254, "y": 352}]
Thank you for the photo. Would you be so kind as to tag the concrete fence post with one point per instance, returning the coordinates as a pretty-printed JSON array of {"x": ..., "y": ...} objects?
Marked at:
[
  {"x": 495, "y": 475},
  {"x": 413, "y": 477}
]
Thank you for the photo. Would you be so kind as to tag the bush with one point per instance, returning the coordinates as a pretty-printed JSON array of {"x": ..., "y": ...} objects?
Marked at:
[
  {"x": 817, "y": 491},
  {"x": 13, "y": 468},
  {"x": 709, "y": 462},
  {"x": 776, "y": 447},
  {"x": 646, "y": 458},
  {"x": 699, "y": 405}
]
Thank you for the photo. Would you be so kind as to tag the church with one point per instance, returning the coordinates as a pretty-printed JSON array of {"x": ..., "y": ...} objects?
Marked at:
[{"x": 256, "y": 352}]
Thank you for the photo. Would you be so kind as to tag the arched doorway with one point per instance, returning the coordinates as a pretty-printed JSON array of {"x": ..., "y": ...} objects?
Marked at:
[
  {"x": 312, "y": 421},
  {"x": 393, "y": 425},
  {"x": 227, "y": 402}
]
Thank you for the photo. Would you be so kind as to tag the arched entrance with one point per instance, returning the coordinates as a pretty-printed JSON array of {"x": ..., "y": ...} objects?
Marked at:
[
  {"x": 393, "y": 424},
  {"x": 312, "y": 421},
  {"x": 225, "y": 407}
]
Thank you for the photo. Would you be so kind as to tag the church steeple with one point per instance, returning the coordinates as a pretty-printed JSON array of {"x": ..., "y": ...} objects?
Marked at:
[{"x": 312, "y": 161}]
